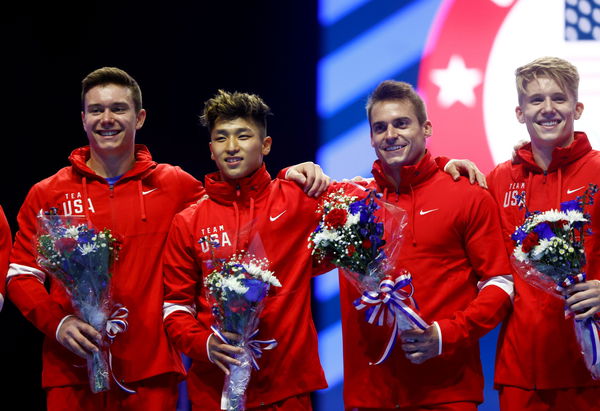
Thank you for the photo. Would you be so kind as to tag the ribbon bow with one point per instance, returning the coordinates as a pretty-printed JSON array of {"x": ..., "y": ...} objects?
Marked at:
[
  {"x": 390, "y": 301},
  {"x": 252, "y": 347},
  {"x": 116, "y": 324}
]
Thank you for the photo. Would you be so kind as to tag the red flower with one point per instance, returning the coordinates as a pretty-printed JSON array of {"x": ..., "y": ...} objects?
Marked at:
[
  {"x": 238, "y": 306},
  {"x": 367, "y": 243},
  {"x": 65, "y": 245},
  {"x": 530, "y": 241},
  {"x": 351, "y": 250},
  {"x": 336, "y": 218},
  {"x": 557, "y": 224}
]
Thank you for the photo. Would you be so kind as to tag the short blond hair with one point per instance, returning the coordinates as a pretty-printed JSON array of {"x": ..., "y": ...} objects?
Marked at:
[{"x": 561, "y": 71}]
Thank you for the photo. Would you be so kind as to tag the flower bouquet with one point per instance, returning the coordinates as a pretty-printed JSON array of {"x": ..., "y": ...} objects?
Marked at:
[
  {"x": 549, "y": 254},
  {"x": 236, "y": 288},
  {"x": 350, "y": 235},
  {"x": 80, "y": 258}
]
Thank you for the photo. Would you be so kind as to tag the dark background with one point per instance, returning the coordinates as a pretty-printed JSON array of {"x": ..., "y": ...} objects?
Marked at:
[{"x": 180, "y": 53}]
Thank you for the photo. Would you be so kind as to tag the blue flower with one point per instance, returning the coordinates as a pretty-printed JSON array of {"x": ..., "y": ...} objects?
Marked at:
[
  {"x": 544, "y": 231},
  {"x": 572, "y": 205},
  {"x": 355, "y": 207},
  {"x": 257, "y": 290},
  {"x": 519, "y": 235}
]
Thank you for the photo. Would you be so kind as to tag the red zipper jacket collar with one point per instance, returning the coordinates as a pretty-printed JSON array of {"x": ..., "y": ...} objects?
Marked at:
[
  {"x": 143, "y": 167},
  {"x": 238, "y": 191},
  {"x": 561, "y": 156},
  {"x": 410, "y": 176}
]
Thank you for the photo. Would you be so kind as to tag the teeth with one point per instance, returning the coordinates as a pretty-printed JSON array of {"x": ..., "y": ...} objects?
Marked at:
[
  {"x": 393, "y": 148},
  {"x": 108, "y": 133},
  {"x": 232, "y": 159},
  {"x": 549, "y": 123}
]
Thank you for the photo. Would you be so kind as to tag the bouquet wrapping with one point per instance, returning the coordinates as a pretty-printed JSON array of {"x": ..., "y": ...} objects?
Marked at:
[
  {"x": 236, "y": 289},
  {"x": 351, "y": 236},
  {"x": 549, "y": 254},
  {"x": 80, "y": 258}
]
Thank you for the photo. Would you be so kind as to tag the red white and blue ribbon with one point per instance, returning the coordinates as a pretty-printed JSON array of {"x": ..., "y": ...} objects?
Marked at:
[
  {"x": 389, "y": 300},
  {"x": 569, "y": 281},
  {"x": 116, "y": 324},
  {"x": 593, "y": 329},
  {"x": 253, "y": 347}
]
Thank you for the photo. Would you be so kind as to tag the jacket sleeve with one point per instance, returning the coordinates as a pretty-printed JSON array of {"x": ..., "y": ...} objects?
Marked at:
[
  {"x": 5, "y": 246},
  {"x": 485, "y": 249},
  {"x": 25, "y": 279},
  {"x": 190, "y": 189},
  {"x": 183, "y": 280}
]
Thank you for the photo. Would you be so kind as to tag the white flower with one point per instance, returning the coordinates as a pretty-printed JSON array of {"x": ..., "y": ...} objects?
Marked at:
[
  {"x": 520, "y": 255},
  {"x": 575, "y": 216},
  {"x": 262, "y": 274},
  {"x": 234, "y": 285},
  {"x": 87, "y": 248},
  {"x": 353, "y": 219},
  {"x": 325, "y": 235},
  {"x": 72, "y": 231},
  {"x": 540, "y": 249},
  {"x": 550, "y": 215}
]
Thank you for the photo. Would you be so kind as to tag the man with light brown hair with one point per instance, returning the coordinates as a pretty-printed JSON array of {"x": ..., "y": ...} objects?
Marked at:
[{"x": 538, "y": 364}]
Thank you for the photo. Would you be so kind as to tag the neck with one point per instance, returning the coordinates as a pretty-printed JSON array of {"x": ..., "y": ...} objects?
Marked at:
[
  {"x": 111, "y": 165},
  {"x": 393, "y": 175},
  {"x": 542, "y": 153}
]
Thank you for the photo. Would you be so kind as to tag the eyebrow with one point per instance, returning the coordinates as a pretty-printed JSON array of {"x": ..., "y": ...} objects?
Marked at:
[
  {"x": 113, "y": 104},
  {"x": 235, "y": 131}
]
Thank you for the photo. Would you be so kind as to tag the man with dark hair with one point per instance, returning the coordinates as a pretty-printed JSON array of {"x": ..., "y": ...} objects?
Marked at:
[
  {"x": 463, "y": 287},
  {"x": 243, "y": 201},
  {"x": 115, "y": 184}
]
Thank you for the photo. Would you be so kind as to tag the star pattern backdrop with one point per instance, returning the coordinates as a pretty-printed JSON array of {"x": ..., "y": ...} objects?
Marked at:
[{"x": 461, "y": 56}]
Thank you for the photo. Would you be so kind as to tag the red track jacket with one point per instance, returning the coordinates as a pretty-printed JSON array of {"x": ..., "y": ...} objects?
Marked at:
[
  {"x": 450, "y": 245},
  {"x": 284, "y": 217},
  {"x": 537, "y": 348},
  {"x": 139, "y": 209},
  {"x": 5, "y": 246}
]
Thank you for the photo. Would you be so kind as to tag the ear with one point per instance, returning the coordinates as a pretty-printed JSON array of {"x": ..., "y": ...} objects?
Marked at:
[
  {"x": 266, "y": 145},
  {"x": 427, "y": 128},
  {"x": 578, "y": 110},
  {"x": 83, "y": 118},
  {"x": 212, "y": 156},
  {"x": 520, "y": 115},
  {"x": 140, "y": 118}
]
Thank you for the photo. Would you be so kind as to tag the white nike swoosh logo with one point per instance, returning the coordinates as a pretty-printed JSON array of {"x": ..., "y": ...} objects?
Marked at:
[
  {"x": 577, "y": 189},
  {"x": 276, "y": 217},
  {"x": 428, "y": 211},
  {"x": 149, "y": 191}
]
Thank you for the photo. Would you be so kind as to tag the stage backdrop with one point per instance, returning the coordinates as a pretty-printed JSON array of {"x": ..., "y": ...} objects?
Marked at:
[{"x": 461, "y": 55}]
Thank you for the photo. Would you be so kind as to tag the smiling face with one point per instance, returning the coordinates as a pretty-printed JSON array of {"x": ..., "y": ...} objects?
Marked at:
[
  {"x": 109, "y": 119},
  {"x": 396, "y": 135},
  {"x": 237, "y": 147},
  {"x": 549, "y": 113}
]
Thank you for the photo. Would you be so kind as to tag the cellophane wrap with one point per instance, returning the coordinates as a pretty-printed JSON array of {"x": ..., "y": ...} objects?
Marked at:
[
  {"x": 352, "y": 235},
  {"x": 80, "y": 257},
  {"x": 236, "y": 289},
  {"x": 549, "y": 254}
]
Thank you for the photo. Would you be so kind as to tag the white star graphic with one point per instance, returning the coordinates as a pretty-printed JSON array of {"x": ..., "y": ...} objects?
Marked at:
[{"x": 456, "y": 83}]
